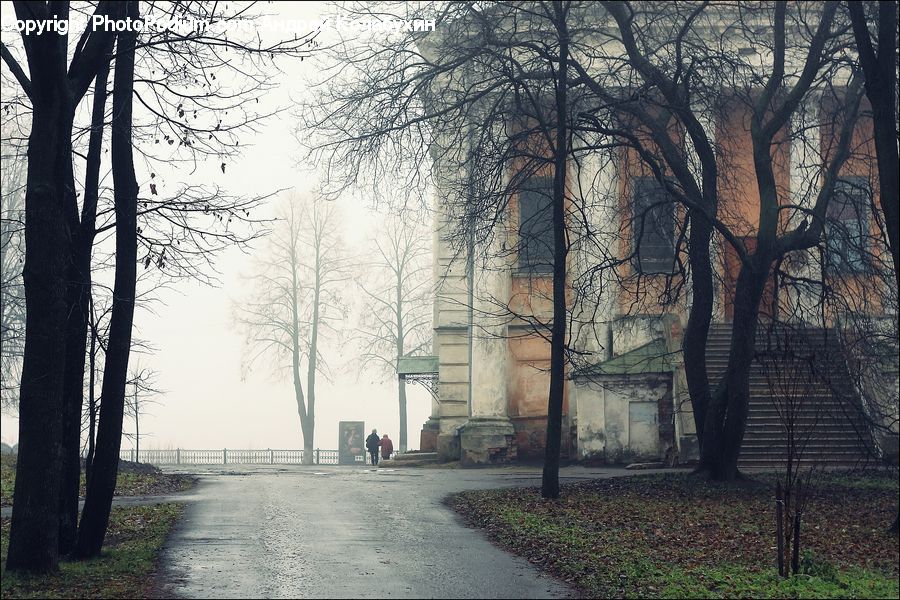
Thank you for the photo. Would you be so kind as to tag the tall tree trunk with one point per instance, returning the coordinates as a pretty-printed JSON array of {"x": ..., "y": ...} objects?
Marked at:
[
  {"x": 98, "y": 501},
  {"x": 880, "y": 72},
  {"x": 310, "y": 425},
  {"x": 726, "y": 418},
  {"x": 697, "y": 331},
  {"x": 34, "y": 531},
  {"x": 54, "y": 91},
  {"x": 295, "y": 346},
  {"x": 79, "y": 292},
  {"x": 92, "y": 401},
  {"x": 550, "y": 479}
]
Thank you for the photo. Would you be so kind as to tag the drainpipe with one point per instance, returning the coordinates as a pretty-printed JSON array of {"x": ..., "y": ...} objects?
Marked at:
[{"x": 470, "y": 268}]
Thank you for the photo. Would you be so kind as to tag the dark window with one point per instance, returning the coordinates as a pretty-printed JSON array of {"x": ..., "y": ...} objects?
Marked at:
[
  {"x": 653, "y": 226},
  {"x": 848, "y": 225},
  {"x": 536, "y": 225}
]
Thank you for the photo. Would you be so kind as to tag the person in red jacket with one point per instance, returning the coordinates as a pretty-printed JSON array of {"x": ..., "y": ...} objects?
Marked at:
[{"x": 387, "y": 446}]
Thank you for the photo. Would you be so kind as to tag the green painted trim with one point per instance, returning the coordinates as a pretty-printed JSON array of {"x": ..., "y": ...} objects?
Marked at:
[
  {"x": 652, "y": 357},
  {"x": 417, "y": 365}
]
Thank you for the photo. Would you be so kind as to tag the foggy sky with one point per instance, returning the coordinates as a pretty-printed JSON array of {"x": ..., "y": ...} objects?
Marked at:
[{"x": 198, "y": 358}]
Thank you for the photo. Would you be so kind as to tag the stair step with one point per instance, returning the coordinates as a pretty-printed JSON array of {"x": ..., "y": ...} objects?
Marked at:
[{"x": 822, "y": 403}]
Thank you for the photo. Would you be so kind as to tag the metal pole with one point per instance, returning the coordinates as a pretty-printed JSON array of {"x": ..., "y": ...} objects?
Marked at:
[{"x": 137, "y": 426}]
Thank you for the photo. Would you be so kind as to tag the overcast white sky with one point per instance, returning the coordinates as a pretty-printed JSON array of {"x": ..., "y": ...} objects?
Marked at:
[{"x": 198, "y": 355}]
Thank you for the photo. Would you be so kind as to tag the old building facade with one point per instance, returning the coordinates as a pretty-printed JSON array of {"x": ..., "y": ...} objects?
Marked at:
[{"x": 626, "y": 395}]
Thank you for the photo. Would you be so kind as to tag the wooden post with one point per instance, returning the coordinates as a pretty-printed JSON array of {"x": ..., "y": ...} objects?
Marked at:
[
  {"x": 177, "y": 456},
  {"x": 132, "y": 455},
  {"x": 779, "y": 531},
  {"x": 224, "y": 456},
  {"x": 317, "y": 456},
  {"x": 799, "y": 501},
  {"x": 271, "y": 456}
]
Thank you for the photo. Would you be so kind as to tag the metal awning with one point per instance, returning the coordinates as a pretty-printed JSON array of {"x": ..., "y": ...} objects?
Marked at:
[{"x": 419, "y": 369}]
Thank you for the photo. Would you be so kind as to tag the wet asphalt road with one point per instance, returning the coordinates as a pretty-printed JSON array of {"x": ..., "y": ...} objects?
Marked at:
[{"x": 345, "y": 532}]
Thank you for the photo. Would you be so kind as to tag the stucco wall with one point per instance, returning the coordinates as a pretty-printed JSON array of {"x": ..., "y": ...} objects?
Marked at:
[{"x": 617, "y": 417}]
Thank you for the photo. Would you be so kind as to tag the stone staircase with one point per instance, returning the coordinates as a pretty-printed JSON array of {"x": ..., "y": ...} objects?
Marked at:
[{"x": 799, "y": 383}]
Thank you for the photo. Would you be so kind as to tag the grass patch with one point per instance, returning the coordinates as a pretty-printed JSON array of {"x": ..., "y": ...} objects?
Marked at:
[
  {"x": 128, "y": 483},
  {"x": 149, "y": 484},
  {"x": 7, "y": 478},
  {"x": 670, "y": 536},
  {"x": 124, "y": 570}
]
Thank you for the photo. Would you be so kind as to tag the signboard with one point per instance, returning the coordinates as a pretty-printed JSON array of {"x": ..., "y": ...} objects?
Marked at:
[{"x": 351, "y": 442}]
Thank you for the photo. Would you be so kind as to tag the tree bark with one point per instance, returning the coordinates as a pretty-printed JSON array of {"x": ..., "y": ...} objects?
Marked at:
[
  {"x": 92, "y": 402},
  {"x": 34, "y": 531},
  {"x": 550, "y": 478},
  {"x": 881, "y": 90},
  {"x": 700, "y": 316},
  {"x": 98, "y": 501},
  {"x": 310, "y": 425},
  {"x": 880, "y": 72},
  {"x": 79, "y": 291},
  {"x": 295, "y": 345},
  {"x": 726, "y": 418}
]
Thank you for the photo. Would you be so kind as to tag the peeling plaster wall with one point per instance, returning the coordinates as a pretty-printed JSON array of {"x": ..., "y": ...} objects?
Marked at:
[
  {"x": 629, "y": 332},
  {"x": 617, "y": 418}
]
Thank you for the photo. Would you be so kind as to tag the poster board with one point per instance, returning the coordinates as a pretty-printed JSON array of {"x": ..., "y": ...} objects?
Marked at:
[{"x": 351, "y": 442}]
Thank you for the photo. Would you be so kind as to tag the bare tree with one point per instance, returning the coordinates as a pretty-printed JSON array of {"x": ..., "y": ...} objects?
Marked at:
[
  {"x": 98, "y": 497},
  {"x": 12, "y": 256},
  {"x": 482, "y": 109},
  {"x": 878, "y": 62},
  {"x": 143, "y": 387},
  {"x": 296, "y": 299},
  {"x": 396, "y": 321},
  {"x": 54, "y": 88},
  {"x": 674, "y": 88},
  {"x": 879, "y": 65},
  {"x": 176, "y": 84}
]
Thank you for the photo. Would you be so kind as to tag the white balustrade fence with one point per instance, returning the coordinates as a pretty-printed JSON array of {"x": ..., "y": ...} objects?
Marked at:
[{"x": 227, "y": 456}]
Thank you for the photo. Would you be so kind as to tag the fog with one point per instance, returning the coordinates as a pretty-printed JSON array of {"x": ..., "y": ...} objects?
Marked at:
[{"x": 210, "y": 400}]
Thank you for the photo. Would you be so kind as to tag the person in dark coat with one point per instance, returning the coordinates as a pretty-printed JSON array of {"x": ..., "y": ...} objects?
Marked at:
[
  {"x": 387, "y": 446},
  {"x": 372, "y": 445}
]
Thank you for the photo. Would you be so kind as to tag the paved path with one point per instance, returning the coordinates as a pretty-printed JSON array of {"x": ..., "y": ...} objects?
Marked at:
[{"x": 345, "y": 532}]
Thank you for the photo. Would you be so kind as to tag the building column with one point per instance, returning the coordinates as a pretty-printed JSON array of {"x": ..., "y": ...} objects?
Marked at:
[
  {"x": 430, "y": 430},
  {"x": 488, "y": 437}
]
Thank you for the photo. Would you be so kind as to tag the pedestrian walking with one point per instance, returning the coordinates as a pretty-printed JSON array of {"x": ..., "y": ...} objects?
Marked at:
[
  {"x": 372, "y": 445},
  {"x": 387, "y": 446}
]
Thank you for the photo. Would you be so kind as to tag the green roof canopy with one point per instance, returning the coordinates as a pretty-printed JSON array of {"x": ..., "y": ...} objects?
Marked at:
[
  {"x": 652, "y": 357},
  {"x": 417, "y": 365}
]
